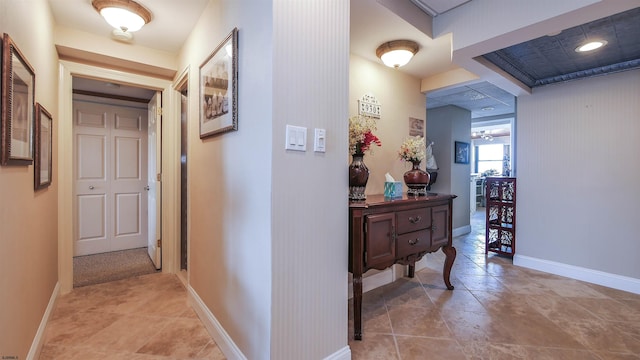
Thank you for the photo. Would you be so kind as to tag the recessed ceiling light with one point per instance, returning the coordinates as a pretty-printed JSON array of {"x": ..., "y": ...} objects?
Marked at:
[
  {"x": 488, "y": 108},
  {"x": 591, "y": 45}
]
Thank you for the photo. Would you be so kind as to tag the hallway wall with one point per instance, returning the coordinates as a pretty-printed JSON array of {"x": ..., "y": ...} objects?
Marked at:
[
  {"x": 28, "y": 220},
  {"x": 266, "y": 252},
  {"x": 577, "y": 179}
]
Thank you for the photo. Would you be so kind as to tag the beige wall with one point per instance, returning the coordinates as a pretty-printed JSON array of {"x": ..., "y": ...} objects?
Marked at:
[
  {"x": 401, "y": 99},
  {"x": 578, "y": 168},
  {"x": 230, "y": 180},
  {"x": 28, "y": 220},
  {"x": 256, "y": 211}
]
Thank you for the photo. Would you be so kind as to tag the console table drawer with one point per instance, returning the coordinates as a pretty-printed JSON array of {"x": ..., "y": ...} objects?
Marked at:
[
  {"x": 414, "y": 242},
  {"x": 413, "y": 220}
]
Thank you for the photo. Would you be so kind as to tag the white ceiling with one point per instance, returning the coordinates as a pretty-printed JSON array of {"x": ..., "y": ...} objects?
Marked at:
[
  {"x": 373, "y": 24},
  {"x": 171, "y": 22}
]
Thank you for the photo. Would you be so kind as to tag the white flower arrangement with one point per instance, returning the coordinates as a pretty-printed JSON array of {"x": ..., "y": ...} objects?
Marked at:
[{"x": 412, "y": 149}]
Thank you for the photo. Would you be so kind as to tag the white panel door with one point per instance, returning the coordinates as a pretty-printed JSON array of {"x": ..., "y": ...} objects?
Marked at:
[
  {"x": 154, "y": 184},
  {"x": 110, "y": 178},
  {"x": 91, "y": 186}
]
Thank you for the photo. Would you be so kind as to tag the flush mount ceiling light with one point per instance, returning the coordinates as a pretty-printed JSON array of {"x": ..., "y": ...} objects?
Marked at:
[
  {"x": 591, "y": 45},
  {"x": 123, "y": 15},
  {"x": 397, "y": 53}
]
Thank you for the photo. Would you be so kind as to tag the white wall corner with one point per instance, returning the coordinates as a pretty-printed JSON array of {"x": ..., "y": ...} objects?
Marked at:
[
  {"x": 620, "y": 282},
  {"x": 463, "y": 230},
  {"x": 342, "y": 354},
  {"x": 214, "y": 328},
  {"x": 36, "y": 345}
]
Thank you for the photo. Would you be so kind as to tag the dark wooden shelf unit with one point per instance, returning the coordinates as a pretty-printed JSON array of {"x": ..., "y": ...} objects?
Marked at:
[
  {"x": 383, "y": 232},
  {"x": 501, "y": 215}
]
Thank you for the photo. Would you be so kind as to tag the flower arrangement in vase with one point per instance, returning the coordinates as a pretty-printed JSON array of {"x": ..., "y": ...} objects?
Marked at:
[
  {"x": 413, "y": 150},
  {"x": 361, "y": 138}
]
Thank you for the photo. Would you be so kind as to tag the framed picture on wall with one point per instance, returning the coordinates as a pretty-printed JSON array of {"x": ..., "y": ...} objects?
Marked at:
[
  {"x": 461, "y": 152},
  {"x": 18, "y": 90},
  {"x": 416, "y": 127},
  {"x": 219, "y": 88},
  {"x": 42, "y": 155}
]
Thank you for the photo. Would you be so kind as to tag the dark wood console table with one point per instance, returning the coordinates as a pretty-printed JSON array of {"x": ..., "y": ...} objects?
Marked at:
[{"x": 383, "y": 232}]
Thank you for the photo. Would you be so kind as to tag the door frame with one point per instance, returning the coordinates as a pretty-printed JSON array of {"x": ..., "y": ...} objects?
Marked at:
[{"x": 170, "y": 163}]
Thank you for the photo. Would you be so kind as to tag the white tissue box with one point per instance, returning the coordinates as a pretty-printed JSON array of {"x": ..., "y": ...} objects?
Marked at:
[{"x": 393, "y": 189}]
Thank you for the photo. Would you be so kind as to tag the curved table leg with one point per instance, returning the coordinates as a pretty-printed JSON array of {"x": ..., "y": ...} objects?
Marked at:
[{"x": 450, "y": 253}]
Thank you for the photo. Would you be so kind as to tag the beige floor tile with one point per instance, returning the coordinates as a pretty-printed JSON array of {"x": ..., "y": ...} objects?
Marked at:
[
  {"x": 420, "y": 348},
  {"x": 182, "y": 339},
  {"x": 374, "y": 347},
  {"x": 417, "y": 321}
]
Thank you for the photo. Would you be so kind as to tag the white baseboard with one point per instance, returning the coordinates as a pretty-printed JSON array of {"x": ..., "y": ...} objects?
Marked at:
[
  {"x": 382, "y": 278},
  {"x": 619, "y": 282},
  {"x": 36, "y": 345},
  {"x": 463, "y": 230},
  {"x": 215, "y": 329},
  {"x": 342, "y": 354}
]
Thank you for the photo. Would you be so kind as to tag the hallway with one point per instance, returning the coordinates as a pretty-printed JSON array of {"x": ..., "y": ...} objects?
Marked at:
[
  {"x": 139, "y": 318},
  {"x": 496, "y": 311}
]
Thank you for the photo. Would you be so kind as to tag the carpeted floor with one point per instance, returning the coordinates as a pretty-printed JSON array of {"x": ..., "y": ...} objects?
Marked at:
[{"x": 116, "y": 265}]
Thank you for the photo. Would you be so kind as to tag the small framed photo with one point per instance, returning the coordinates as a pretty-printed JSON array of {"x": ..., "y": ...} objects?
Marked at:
[
  {"x": 416, "y": 127},
  {"x": 18, "y": 90},
  {"x": 219, "y": 88},
  {"x": 42, "y": 169},
  {"x": 461, "y": 152}
]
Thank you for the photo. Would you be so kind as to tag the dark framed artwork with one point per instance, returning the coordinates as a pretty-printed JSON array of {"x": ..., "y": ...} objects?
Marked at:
[
  {"x": 461, "y": 152},
  {"x": 42, "y": 169},
  {"x": 219, "y": 88},
  {"x": 18, "y": 90}
]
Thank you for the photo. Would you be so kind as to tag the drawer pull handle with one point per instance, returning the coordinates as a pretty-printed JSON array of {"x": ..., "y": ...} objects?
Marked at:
[
  {"x": 415, "y": 220},
  {"x": 413, "y": 241}
]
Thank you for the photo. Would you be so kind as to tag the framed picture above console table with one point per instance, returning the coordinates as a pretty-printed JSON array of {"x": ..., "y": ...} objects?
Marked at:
[{"x": 384, "y": 231}]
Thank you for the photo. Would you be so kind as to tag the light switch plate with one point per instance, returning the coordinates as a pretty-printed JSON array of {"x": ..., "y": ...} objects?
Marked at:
[
  {"x": 320, "y": 140},
  {"x": 296, "y": 138}
]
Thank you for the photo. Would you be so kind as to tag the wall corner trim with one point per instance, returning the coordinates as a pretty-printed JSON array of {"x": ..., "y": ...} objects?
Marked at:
[
  {"x": 36, "y": 345},
  {"x": 620, "y": 282},
  {"x": 214, "y": 328}
]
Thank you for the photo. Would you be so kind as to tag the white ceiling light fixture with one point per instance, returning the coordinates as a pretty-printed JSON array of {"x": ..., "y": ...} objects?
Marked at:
[
  {"x": 591, "y": 45},
  {"x": 486, "y": 136},
  {"x": 397, "y": 53},
  {"x": 124, "y": 15}
]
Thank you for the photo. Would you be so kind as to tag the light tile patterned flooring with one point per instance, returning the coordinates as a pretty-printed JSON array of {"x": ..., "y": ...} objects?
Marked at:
[
  {"x": 496, "y": 311},
  {"x": 140, "y": 318}
]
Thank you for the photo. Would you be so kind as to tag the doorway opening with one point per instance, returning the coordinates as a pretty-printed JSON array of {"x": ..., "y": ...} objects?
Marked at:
[
  {"x": 492, "y": 154},
  {"x": 184, "y": 206},
  {"x": 116, "y": 181}
]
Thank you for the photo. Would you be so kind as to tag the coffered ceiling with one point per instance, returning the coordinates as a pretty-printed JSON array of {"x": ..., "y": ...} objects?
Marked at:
[{"x": 552, "y": 58}]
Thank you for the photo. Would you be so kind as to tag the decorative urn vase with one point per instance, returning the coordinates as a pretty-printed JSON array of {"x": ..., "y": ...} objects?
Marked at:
[
  {"x": 417, "y": 180},
  {"x": 358, "y": 177}
]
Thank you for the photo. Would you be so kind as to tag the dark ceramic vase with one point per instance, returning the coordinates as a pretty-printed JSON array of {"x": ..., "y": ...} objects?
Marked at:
[
  {"x": 358, "y": 177},
  {"x": 417, "y": 180}
]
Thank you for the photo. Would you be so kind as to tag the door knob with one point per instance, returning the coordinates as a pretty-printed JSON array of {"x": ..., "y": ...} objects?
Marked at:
[
  {"x": 91, "y": 187},
  {"x": 146, "y": 187}
]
